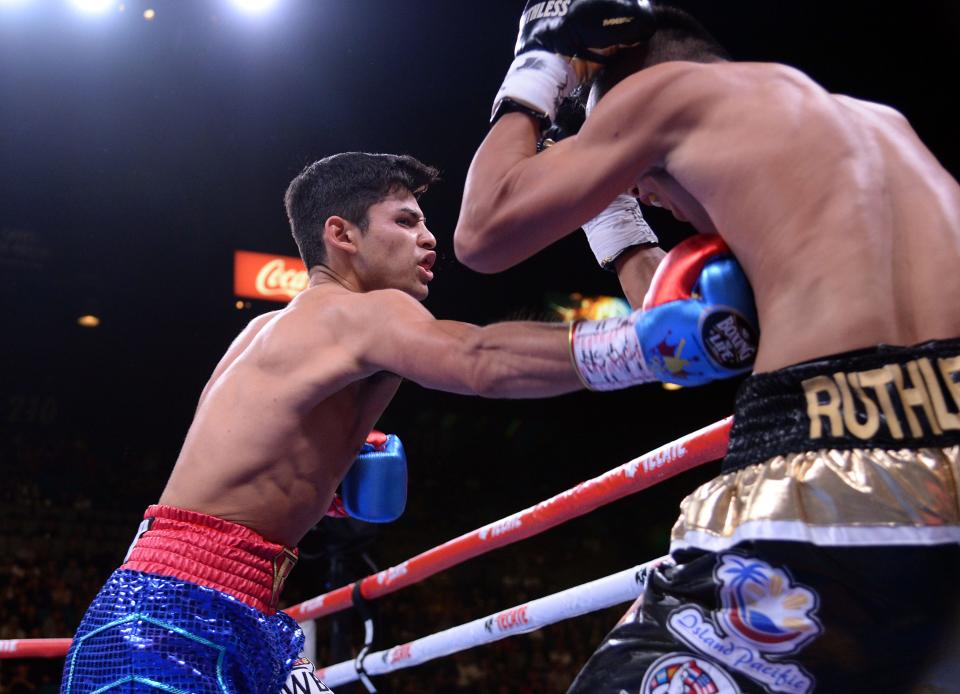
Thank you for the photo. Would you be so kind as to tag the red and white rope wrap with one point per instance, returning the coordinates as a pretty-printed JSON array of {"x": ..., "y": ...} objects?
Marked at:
[
  {"x": 615, "y": 589},
  {"x": 700, "y": 447}
]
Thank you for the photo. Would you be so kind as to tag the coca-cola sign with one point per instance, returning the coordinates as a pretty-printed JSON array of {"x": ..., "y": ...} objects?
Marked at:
[{"x": 268, "y": 277}]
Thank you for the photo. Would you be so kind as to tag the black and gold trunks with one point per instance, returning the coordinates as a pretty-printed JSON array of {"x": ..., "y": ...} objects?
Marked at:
[
  {"x": 826, "y": 555},
  {"x": 858, "y": 449}
]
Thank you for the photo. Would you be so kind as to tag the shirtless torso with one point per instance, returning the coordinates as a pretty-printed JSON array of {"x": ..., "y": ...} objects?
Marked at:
[
  {"x": 278, "y": 426},
  {"x": 846, "y": 225},
  {"x": 291, "y": 402},
  {"x": 849, "y": 232},
  {"x": 265, "y": 450}
]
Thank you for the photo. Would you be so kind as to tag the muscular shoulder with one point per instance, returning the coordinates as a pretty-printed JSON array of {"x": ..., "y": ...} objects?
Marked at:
[
  {"x": 644, "y": 117},
  {"x": 342, "y": 326},
  {"x": 877, "y": 109},
  {"x": 392, "y": 300},
  {"x": 648, "y": 86},
  {"x": 704, "y": 80},
  {"x": 669, "y": 98},
  {"x": 239, "y": 348},
  {"x": 257, "y": 323},
  {"x": 691, "y": 83}
]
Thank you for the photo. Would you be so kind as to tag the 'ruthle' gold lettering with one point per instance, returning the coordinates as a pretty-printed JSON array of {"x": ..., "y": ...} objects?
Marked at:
[
  {"x": 869, "y": 427},
  {"x": 838, "y": 398},
  {"x": 831, "y": 409}
]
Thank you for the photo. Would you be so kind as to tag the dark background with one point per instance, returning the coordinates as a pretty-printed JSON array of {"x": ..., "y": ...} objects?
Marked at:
[{"x": 136, "y": 156}]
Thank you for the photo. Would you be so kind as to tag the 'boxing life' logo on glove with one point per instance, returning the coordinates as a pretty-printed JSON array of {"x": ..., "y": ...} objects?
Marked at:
[{"x": 730, "y": 339}]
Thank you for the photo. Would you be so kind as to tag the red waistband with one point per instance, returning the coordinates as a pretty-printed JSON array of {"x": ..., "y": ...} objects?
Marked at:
[{"x": 212, "y": 552}]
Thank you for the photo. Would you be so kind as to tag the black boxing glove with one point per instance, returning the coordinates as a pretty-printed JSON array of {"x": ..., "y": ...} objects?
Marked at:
[
  {"x": 583, "y": 28},
  {"x": 557, "y": 43},
  {"x": 567, "y": 122}
]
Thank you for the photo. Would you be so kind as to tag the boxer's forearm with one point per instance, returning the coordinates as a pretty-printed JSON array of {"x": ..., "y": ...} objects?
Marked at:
[
  {"x": 523, "y": 360},
  {"x": 485, "y": 238},
  {"x": 635, "y": 268}
]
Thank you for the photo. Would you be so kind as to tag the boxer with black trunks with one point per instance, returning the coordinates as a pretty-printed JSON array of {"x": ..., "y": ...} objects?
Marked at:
[
  {"x": 282, "y": 422},
  {"x": 824, "y": 556}
]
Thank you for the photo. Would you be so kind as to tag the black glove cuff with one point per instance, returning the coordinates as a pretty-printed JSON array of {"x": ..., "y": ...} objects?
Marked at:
[{"x": 511, "y": 106}]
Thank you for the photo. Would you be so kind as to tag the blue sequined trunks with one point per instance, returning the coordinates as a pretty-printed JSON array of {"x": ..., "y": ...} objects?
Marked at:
[
  {"x": 146, "y": 632},
  {"x": 154, "y": 633}
]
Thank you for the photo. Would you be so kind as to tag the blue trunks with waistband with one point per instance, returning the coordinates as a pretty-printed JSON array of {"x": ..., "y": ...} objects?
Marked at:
[{"x": 192, "y": 611}]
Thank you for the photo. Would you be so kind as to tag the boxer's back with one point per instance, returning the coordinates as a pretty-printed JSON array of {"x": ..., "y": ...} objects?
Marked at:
[
  {"x": 281, "y": 420},
  {"x": 847, "y": 226}
]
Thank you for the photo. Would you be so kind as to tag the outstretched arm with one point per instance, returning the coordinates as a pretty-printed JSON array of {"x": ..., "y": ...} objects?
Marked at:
[
  {"x": 504, "y": 360},
  {"x": 698, "y": 323}
]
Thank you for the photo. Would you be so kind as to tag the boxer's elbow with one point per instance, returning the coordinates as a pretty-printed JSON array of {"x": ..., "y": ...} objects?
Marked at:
[
  {"x": 481, "y": 248},
  {"x": 482, "y": 229},
  {"x": 474, "y": 257},
  {"x": 471, "y": 245},
  {"x": 464, "y": 244}
]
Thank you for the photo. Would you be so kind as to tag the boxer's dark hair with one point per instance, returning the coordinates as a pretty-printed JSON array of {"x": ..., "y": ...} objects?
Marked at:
[
  {"x": 346, "y": 185},
  {"x": 678, "y": 37}
]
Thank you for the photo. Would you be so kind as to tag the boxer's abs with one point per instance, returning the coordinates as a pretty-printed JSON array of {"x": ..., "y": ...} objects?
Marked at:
[{"x": 274, "y": 469}]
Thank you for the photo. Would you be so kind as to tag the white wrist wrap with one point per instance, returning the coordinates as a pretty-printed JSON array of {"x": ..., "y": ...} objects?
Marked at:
[
  {"x": 616, "y": 229},
  {"x": 538, "y": 80},
  {"x": 607, "y": 353}
]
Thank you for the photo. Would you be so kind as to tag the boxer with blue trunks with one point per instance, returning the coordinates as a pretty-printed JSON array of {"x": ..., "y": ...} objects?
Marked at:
[
  {"x": 192, "y": 609},
  {"x": 281, "y": 423}
]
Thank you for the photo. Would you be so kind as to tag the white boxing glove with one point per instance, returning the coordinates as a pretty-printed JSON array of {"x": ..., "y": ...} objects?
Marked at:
[{"x": 538, "y": 81}]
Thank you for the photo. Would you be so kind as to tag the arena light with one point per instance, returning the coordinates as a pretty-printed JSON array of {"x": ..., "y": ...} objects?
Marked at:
[
  {"x": 576, "y": 306},
  {"x": 88, "y": 321},
  {"x": 94, "y": 6},
  {"x": 254, "y": 6}
]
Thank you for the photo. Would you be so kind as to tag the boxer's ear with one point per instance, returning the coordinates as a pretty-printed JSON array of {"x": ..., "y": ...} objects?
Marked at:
[{"x": 340, "y": 233}]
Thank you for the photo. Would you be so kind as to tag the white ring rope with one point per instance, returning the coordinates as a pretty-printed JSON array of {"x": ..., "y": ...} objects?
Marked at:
[{"x": 615, "y": 589}]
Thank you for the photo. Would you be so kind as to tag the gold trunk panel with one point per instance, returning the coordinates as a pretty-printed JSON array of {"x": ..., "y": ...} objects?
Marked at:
[{"x": 850, "y": 488}]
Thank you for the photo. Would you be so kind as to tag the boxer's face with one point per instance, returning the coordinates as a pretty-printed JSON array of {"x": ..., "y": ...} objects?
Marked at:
[{"x": 396, "y": 251}]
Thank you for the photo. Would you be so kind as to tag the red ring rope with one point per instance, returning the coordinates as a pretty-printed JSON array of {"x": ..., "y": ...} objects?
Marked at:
[{"x": 703, "y": 446}]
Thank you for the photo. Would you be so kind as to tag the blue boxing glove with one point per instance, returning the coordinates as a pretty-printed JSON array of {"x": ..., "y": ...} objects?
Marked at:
[
  {"x": 375, "y": 488},
  {"x": 698, "y": 324},
  {"x": 699, "y": 320}
]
